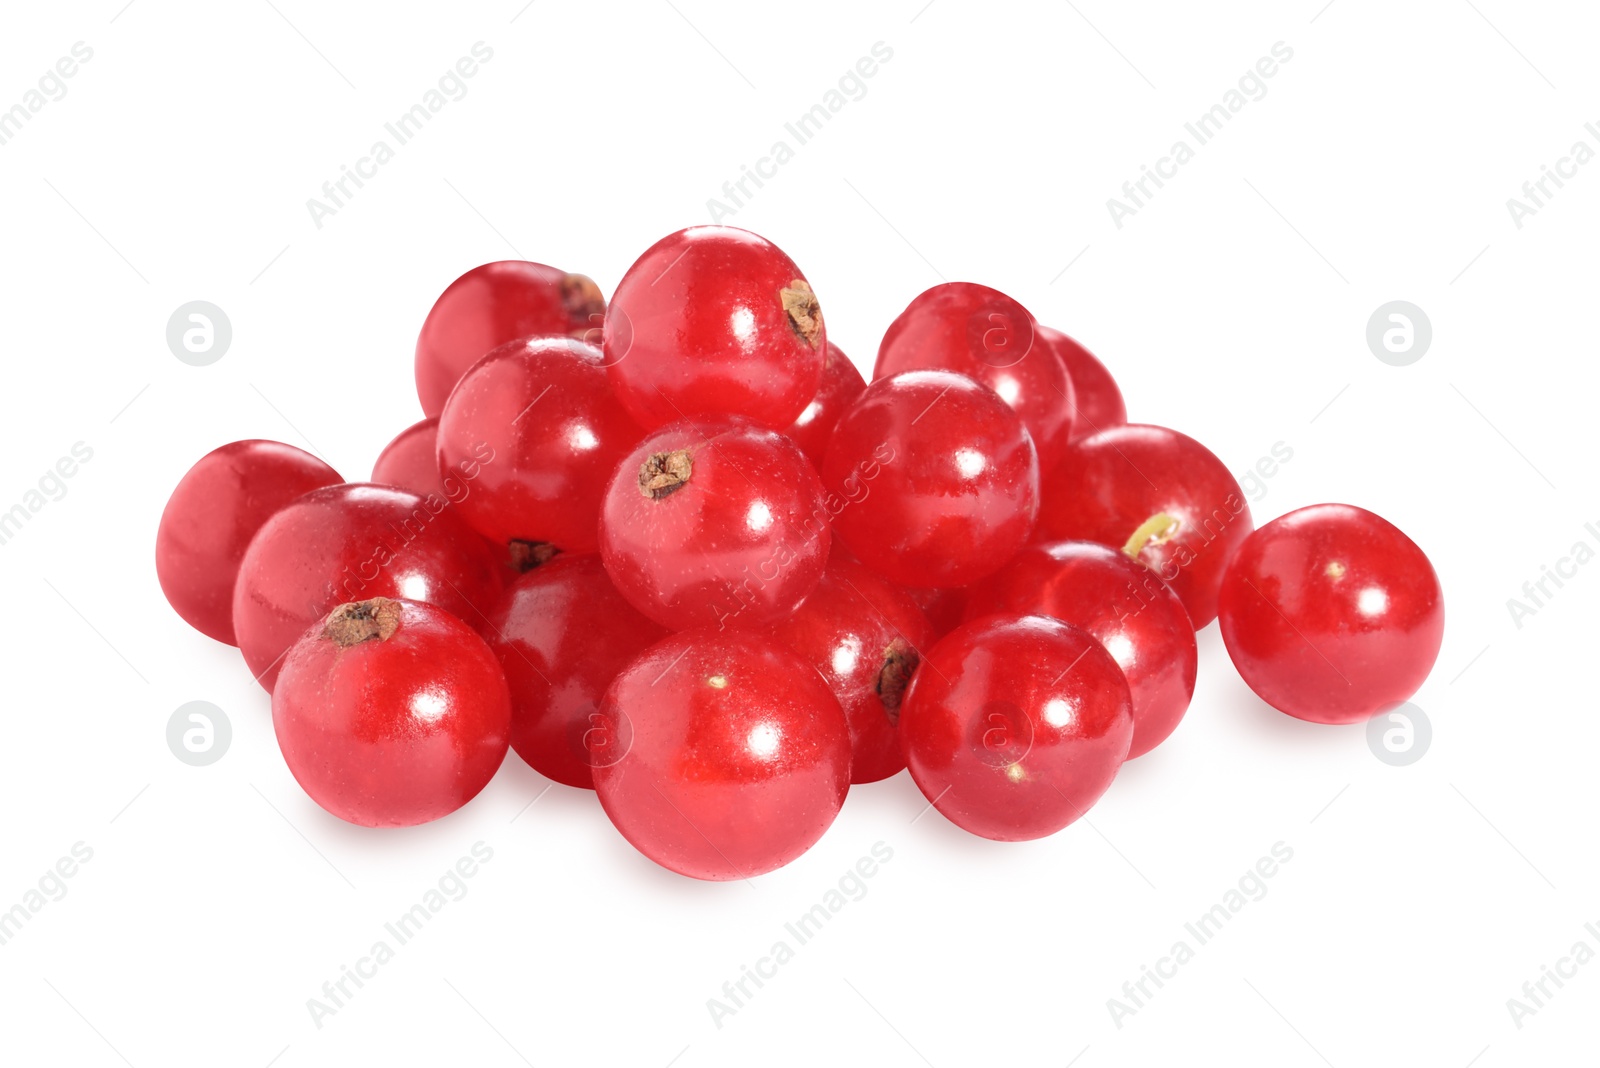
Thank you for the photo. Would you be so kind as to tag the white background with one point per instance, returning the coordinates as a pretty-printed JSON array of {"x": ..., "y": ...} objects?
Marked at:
[{"x": 1234, "y": 307}]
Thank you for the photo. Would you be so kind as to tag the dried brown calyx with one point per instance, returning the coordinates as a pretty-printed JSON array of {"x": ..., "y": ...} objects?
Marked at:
[
  {"x": 900, "y": 661},
  {"x": 583, "y": 300},
  {"x": 527, "y": 555},
  {"x": 805, "y": 314},
  {"x": 664, "y": 473},
  {"x": 362, "y": 621}
]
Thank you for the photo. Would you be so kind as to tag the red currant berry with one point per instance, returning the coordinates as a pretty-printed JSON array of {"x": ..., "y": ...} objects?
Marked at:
[
  {"x": 841, "y": 385},
  {"x": 945, "y": 609},
  {"x": 1098, "y": 400},
  {"x": 1158, "y": 495},
  {"x": 411, "y": 461},
  {"x": 391, "y": 713},
  {"x": 715, "y": 523},
  {"x": 537, "y": 423},
  {"x": 1331, "y": 614},
  {"x": 1014, "y": 726},
  {"x": 1123, "y": 606},
  {"x": 562, "y": 634},
  {"x": 714, "y": 321},
  {"x": 984, "y": 334},
  {"x": 354, "y": 542},
  {"x": 738, "y": 758},
  {"x": 491, "y": 305},
  {"x": 864, "y": 636},
  {"x": 211, "y": 516},
  {"x": 935, "y": 478}
]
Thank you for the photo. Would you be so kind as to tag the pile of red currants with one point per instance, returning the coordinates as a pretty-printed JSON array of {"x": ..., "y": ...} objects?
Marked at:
[{"x": 677, "y": 551}]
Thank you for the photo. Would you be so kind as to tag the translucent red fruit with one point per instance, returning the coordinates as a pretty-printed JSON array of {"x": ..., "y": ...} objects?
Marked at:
[
  {"x": 865, "y": 637},
  {"x": 715, "y": 523},
  {"x": 990, "y": 338},
  {"x": 391, "y": 713},
  {"x": 841, "y": 385},
  {"x": 1097, "y": 399},
  {"x": 735, "y": 757},
  {"x": 540, "y": 427},
  {"x": 411, "y": 460},
  {"x": 1013, "y": 727},
  {"x": 936, "y": 479},
  {"x": 562, "y": 634},
  {"x": 714, "y": 321},
  {"x": 216, "y": 509},
  {"x": 1159, "y": 495},
  {"x": 1123, "y": 606},
  {"x": 354, "y": 542},
  {"x": 945, "y": 609},
  {"x": 491, "y": 305},
  {"x": 1331, "y": 614}
]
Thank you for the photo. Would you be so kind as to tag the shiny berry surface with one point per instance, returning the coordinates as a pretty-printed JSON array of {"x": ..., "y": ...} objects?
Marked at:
[
  {"x": 562, "y": 634},
  {"x": 491, "y": 305},
  {"x": 945, "y": 609},
  {"x": 714, "y": 321},
  {"x": 1331, "y": 614},
  {"x": 216, "y": 509},
  {"x": 990, "y": 338},
  {"x": 934, "y": 481},
  {"x": 391, "y": 713},
  {"x": 354, "y": 542},
  {"x": 537, "y": 423},
  {"x": 1097, "y": 399},
  {"x": 1014, "y": 726},
  {"x": 715, "y": 523},
  {"x": 735, "y": 755},
  {"x": 411, "y": 461},
  {"x": 865, "y": 637},
  {"x": 1123, "y": 606},
  {"x": 841, "y": 385},
  {"x": 1158, "y": 494}
]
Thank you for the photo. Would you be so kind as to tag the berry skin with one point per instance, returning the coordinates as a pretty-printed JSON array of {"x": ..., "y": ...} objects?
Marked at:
[
  {"x": 936, "y": 478},
  {"x": 1158, "y": 495},
  {"x": 216, "y": 509},
  {"x": 352, "y": 542},
  {"x": 864, "y": 636},
  {"x": 1014, "y": 726},
  {"x": 736, "y": 760},
  {"x": 945, "y": 609},
  {"x": 562, "y": 634},
  {"x": 982, "y": 333},
  {"x": 841, "y": 385},
  {"x": 715, "y": 523},
  {"x": 1119, "y": 603},
  {"x": 391, "y": 713},
  {"x": 411, "y": 461},
  {"x": 1331, "y": 614},
  {"x": 546, "y": 414},
  {"x": 1097, "y": 399},
  {"x": 714, "y": 321},
  {"x": 491, "y": 305}
]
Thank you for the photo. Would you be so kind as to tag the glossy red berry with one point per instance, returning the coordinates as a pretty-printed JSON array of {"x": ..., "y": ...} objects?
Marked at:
[
  {"x": 1331, "y": 614},
  {"x": 865, "y": 637},
  {"x": 391, "y": 713},
  {"x": 715, "y": 523},
  {"x": 736, "y": 757},
  {"x": 491, "y": 305},
  {"x": 1123, "y": 606},
  {"x": 562, "y": 634},
  {"x": 714, "y": 321},
  {"x": 1014, "y": 726},
  {"x": 537, "y": 423},
  {"x": 354, "y": 542},
  {"x": 1160, "y": 496},
  {"x": 841, "y": 385},
  {"x": 1098, "y": 401},
  {"x": 945, "y": 609},
  {"x": 934, "y": 480},
  {"x": 216, "y": 509},
  {"x": 411, "y": 461},
  {"x": 984, "y": 334}
]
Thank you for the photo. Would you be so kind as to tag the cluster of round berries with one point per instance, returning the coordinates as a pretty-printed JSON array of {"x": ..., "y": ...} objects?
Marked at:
[{"x": 677, "y": 551}]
